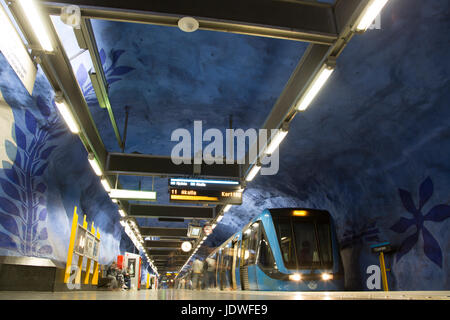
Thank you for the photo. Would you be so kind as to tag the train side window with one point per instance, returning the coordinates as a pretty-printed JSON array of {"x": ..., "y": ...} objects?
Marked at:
[
  {"x": 265, "y": 259},
  {"x": 244, "y": 249},
  {"x": 253, "y": 243}
]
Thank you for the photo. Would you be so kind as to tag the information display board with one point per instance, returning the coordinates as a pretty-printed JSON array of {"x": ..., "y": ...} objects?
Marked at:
[
  {"x": 205, "y": 196},
  {"x": 205, "y": 191}
]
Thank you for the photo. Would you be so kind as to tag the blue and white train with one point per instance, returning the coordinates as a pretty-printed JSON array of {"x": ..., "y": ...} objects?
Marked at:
[{"x": 286, "y": 249}]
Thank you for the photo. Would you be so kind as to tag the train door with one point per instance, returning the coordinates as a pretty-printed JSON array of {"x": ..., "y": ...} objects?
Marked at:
[
  {"x": 234, "y": 250},
  {"x": 219, "y": 269},
  {"x": 249, "y": 248}
]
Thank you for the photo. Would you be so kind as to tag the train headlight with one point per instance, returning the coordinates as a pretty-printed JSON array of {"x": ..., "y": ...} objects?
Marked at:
[
  {"x": 295, "y": 277},
  {"x": 327, "y": 276}
]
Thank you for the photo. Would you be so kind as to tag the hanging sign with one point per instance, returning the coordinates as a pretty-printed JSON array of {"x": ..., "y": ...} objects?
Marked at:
[{"x": 16, "y": 54}]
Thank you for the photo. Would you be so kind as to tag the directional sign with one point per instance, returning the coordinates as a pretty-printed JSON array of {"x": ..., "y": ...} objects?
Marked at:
[
  {"x": 382, "y": 247},
  {"x": 205, "y": 196},
  {"x": 204, "y": 184}
]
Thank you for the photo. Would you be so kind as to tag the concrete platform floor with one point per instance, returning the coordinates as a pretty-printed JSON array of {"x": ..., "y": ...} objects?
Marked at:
[{"x": 172, "y": 294}]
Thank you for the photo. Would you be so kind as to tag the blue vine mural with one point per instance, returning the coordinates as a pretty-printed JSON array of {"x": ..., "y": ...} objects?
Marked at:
[
  {"x": 437, "y": 213},
  {"x": 113, "y": 73},
  {"x": 23, "y": 209}
]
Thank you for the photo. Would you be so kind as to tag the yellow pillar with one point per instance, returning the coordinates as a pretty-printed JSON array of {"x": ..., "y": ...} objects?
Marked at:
[
  {"x": 383, "y": 272},
  {"x": 71, "y": 245},
  {"x": 80, "y": 258},
  {"x": 94, "y": 280},
  {"x": 148, "y": 280}
]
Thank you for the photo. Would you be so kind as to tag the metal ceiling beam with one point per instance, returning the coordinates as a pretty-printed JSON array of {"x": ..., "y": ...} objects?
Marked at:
[
  {"x": 172, "y": 252},
  {"x": 86, "y": 40},
  {"x": 164, "y": 232},
  {"x": 61, "y": 77},
  {"x": 162, "y": 166},
  {"x": 157, "y": 211},
  {"x": 293, "y": 20},
  {"x": 346, "y": 14},
  {"x": 162, "y": 244}
]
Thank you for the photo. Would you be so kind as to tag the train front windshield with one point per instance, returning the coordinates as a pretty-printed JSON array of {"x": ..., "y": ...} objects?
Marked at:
[{"x": 305, "y": 241}]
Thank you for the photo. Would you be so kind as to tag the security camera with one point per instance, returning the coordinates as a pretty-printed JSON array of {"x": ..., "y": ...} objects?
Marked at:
[{"x": 71, "y": 15}]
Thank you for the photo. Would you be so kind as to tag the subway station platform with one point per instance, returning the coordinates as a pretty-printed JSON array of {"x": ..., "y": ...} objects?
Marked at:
[{"x": 173, "y": 294}]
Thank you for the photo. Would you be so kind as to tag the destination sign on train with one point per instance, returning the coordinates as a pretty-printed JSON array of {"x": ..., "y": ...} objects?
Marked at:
[
  {"x": 204, "y": 184},
  {"x": 205, "y": 196}
]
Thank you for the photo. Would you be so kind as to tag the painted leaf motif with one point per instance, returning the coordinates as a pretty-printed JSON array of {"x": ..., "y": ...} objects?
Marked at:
[
  {"x": 18, "y": 161},
  {"x": 425, "y": 191},
  {"x": 43, "y": 215},
  {"x": 407, "y": 201},
  {"x": 11, "y": 150},
  {"x": 9, "y": 223},
  {"x": 8, "y": 206},
  {"x": 43, "y": 108},
  {"x": 21, "y": 139},
  {"x": 46, "y": 153},
  {"x": 41, "y": 188},
  {"x": 7, "y": 242},
  {"x": 121, "y": 70},
  {"x": 43, "y": 235},
  {"x": 402, "y": 225},
  {"x": 81, "y": 75},
  {"x": 102, "y": 56},
  {"x": 116, "y": 55},
  {"x": 30, "y": 122},
  {"x": 431, "y": 247},
  {"x": 41, "y": 170},
  {"x": 45, "y": 250},
  {"x": 438, "y": 213},
  {"x": 11, "y": 174},
  {"x": 407, "y": 245},
  {"x": 10, "y": 189}
]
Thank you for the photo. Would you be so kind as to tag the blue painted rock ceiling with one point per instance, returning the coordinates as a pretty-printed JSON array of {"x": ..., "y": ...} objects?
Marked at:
[{"x": 373, "y": 148}]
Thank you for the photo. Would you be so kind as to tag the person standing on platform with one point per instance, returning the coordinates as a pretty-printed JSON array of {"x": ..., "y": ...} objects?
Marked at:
[
  {"x": 197, "y": 269},
  {"x": 210, "y": 268}
]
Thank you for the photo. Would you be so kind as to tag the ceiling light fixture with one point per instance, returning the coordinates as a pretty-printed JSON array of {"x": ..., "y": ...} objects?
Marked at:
[
  {"x": 34, "y": 16},
  {"x": 316, "y": 84},
  {"x": 132, "y": 194},
  {"x": 369, "y": 15},
  {"x": 63, "y": 109},
  {"x": 253, "y": 172},
  {"x": 276, "y": 140}
]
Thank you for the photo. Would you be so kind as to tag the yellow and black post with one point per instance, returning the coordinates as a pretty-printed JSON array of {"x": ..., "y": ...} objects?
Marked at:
[{"x": 381, "y": 249}]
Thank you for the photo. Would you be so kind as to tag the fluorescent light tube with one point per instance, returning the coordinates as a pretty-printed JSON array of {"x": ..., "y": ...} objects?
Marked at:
[
  {"x": 253, "y": 172},
  {"x": 94, "y": 164},
  {"x": 314, "y": 88},
  {"x": 122, "y": 223},
  {"x": 276, "y": 140},
  {"x": 105, "y": 184},
  {"x": 219, "y": 218},
  {"x": 227, "y": 207},
  {"x": 67, "y": 115},
  {"x": 132, "y": 194},
  {"x": 34, "y": 16},
  {"x": 370, "y": 14},
  {"x": 214, "y": 225},
  {"x": 122, "y": 213}
]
